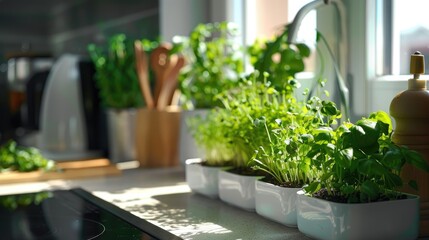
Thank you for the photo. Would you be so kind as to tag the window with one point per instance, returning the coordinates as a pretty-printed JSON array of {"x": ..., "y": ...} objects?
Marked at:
[
  {"x": 378, "y": 50},
  {"x": 264, "y": 19},
  {"x": 402, "y": 29},
  {"x": 390, "y": 30}
]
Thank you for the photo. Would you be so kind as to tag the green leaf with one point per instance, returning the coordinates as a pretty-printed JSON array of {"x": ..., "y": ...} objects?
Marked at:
[
  {"x": 383, "y": 117},
  {"x": 369, "y": 191},
  {"x": 393, "y": 159},
  {"x": 325, "y": 177},
  {"x": 312, "y": 187},
  {"x": 371, "y": 167},
  {"x": 307, "y": 138},
  {"x": 329, "y": 108},
  {"x": 347, "y": 189},
  {"x": 323, "y": 134},
  {"x": 303, "y": 49},
  {"x": 416, "y": 159},
  {"x": 343, "y": 158},
  {"x": 363, "y": 136}
]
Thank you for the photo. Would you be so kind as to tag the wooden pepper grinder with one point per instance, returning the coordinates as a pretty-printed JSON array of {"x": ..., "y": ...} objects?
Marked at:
[{"x": 410, "y": 109}]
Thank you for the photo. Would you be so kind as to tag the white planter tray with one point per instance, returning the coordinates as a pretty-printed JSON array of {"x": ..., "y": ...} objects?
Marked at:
[
  {"x": 202, "y": 179},
  {"x": 321, "y": 219},
  {"x": 276, "y": 203},
  {"x": 237, "y": 190}
]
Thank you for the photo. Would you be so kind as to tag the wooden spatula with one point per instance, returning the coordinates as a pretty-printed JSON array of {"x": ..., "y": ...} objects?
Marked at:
[
  {"x": 170, "y": 82},
  {"x": 160, "y": 63},
  {"x": 143, "y": 74}
]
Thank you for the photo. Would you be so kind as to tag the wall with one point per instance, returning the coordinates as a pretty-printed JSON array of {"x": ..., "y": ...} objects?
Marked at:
[
  {"x": 95, "y": 21},
  {"x": 56, "y": 27},
  {"x": 179, "y": 17}
]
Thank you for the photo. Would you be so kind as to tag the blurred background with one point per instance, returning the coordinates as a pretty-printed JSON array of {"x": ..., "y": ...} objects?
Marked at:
[{"x": 35, "y": 33}]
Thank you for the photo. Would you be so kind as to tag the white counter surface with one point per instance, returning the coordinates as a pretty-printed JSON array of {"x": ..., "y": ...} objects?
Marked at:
[{"x": 162, "y": 197}]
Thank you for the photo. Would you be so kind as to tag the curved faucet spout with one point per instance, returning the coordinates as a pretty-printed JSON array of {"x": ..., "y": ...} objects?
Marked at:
[
  {"x": 296, "y": 23},
  {"x": 340, "y": 71}
]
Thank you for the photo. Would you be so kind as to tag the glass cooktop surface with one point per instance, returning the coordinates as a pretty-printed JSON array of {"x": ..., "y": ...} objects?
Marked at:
[{"x": 70, "y": 214}]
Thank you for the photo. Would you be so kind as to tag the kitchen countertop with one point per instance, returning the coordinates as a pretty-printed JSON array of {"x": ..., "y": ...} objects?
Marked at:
[{"x": 162, "y": 197}]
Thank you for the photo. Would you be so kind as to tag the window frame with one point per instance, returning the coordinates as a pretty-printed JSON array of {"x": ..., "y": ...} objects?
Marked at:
[{"x": 381, "y": 89}]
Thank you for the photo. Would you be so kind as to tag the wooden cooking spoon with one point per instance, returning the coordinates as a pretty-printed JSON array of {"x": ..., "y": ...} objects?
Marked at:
[
  {"x": 143, "y": 74},
  {"x": 170, "y": 82},
  {"x": 160, "y": 63}
]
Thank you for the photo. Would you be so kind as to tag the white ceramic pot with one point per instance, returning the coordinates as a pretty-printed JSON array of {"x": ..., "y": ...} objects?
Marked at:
[
  {"x": 276, "y": 203},
  {"x": 237, "y": 190},
  {"x": 121, "y": 132},
  {"x": 187, "y": 146},
  {"x": 202, "y": 179},
  {"x": 321, "y": 219}
]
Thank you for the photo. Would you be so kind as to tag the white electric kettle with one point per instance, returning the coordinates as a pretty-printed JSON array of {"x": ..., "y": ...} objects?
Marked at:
[{"x": 62, "y": 124}]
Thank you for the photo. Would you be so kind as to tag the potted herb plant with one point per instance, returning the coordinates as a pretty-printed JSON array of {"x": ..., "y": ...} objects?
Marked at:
[
  {"x": 214, "y": 64},
  {"x": 249, "y": 105},
  {"x": 243, "y": 105},
  {"x": 269, "y": 95},
  {"x": 285, "y": 160},
  {"x": 119, "y": 92},
  {"x": 357, "y": 195},
  {"x": 209, "y": 133}
]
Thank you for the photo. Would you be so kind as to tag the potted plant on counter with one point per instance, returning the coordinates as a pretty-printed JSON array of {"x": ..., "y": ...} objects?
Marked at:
[
  {"x": 286, "y": 159},
  {"x": 119, "y": 91},
  {"x": 209, "y": 134},
  {"x": 265, "y": 98},
  {"x": 252, "y": 103},
  {"x": 214, "y": 64},
  {"x": 357, "y": 195}
]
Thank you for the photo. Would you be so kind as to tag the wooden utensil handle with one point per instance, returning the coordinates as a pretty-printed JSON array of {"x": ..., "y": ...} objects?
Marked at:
[
  {"x": 142, "y": 73},
  {"x": 160, "y": 62},
  {"x": 170, "y": 84}
]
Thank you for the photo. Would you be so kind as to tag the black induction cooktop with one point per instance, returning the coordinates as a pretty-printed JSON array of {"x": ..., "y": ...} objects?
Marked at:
[{"x": 70, "y": 214}]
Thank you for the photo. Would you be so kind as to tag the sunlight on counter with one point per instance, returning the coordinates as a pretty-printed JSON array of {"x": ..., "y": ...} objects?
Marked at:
[{"x": 167, "y": 207}]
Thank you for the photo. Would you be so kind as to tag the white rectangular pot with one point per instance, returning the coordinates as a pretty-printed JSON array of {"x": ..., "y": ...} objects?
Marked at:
[
  {"x": 202, "y": 179},
  {"x": 188, "y": 148},
  {"x": 122, "y": 134},
  {"x": 321, "y": 219},
  {"x": 237, "y": 190},
  {"x": 276, "y": 203}
]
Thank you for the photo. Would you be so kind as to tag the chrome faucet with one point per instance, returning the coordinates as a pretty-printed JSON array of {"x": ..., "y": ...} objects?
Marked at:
[{"x": 341, "y": 73}]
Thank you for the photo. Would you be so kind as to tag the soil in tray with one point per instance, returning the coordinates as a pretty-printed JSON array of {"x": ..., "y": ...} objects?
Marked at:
[
  {"x": 247, "y": 171},
  {"x": 323, "y": 194}
]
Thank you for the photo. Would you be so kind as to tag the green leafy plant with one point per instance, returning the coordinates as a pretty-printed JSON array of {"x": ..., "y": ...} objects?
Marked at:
[
  {"x": 258, "y": 116},
  {"x": 209, "y": 134},
  {"x": 22, "y": 159},
  {"x": 116, "y": 76},
  {"x": 359, "y": 162},
  {"x": 244, "y": 106},
  {"x": 215, "y": 63},
  {"x": 281, "y": 60},
  {"x": 290, "y": 137},
  {"x": 231, "y": 130}
]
